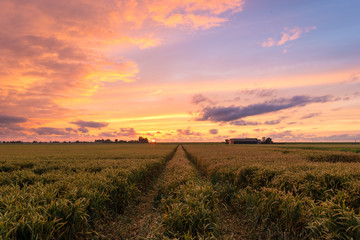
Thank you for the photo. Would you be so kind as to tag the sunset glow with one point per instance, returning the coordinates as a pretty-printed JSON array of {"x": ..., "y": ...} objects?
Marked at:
[{"x": 179, "y": 70}]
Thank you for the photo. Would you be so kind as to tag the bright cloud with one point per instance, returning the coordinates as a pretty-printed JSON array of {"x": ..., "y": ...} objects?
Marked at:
[
  {"x": 192, "y": 13},
  {"x": 142, "y": 64},
  {"x": 289, "y": 34}
]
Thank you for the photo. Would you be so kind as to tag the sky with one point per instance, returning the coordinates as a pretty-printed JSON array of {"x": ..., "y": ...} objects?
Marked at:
[{"x": 180, "y": 70}]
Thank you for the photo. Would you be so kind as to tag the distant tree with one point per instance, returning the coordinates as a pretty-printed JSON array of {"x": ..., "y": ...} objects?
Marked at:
[
  {"x": 268, "y": 141},
  {"x": 116, "y": 141},
  {"x": 143, "y": 140}
]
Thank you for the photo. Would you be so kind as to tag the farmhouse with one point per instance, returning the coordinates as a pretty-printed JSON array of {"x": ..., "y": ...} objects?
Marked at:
[{"x": 244, "y": 141}]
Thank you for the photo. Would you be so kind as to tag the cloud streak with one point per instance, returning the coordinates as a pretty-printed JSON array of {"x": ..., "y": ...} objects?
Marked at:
[
  {"x": 128, "y": 132},
  {"x": 289, "y": 34},
  {"x": 231, "y": 113},
  {"x": 90, "y": 124},
  {"x": 51, "y": 131},
  {"x": 84, "y": 125},
  {"x": 213, "y": 131},
  {"x": 199, "y": 98},
  {"x": 187, "y": 132},
  {"x": 193, "y": 14},
  {"x": 6, "y": 119},
  {"x": 310, "y": 115}
]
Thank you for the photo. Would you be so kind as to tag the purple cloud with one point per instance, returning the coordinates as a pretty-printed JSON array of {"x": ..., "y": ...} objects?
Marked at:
[
  {"x": 310, "y": 115},
  {"x": 187, "y": 132},
  {"x": 128, "y": 132},
  {"x": 90, "y": 124},
  {"x": 83, "y": 130},
  {"x": 213, "y": 131},
  {"x": 272, "y": 122},
  {"x": 50, "y": 131},
  {"x": 108, "y": 134},
  {"x": 260, "y": 92},
  {"x": 242, "y": 122},
  {"x": 223, "y": 114},
  {"x": 199, "y": 98},
  {"x": 71, "y": 130},
  {"x": 10, "y": 124},
  {"x": 6, "y": 119}
]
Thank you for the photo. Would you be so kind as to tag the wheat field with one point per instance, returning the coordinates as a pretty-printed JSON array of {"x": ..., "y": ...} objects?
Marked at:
[{"x": 187, "y": 191}]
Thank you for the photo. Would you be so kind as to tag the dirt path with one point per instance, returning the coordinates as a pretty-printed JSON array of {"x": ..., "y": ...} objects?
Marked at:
[
  {"x": 141, "y": 219},
  {"x": 138, "y": 218},
  {"x": 134, "y": 223}
]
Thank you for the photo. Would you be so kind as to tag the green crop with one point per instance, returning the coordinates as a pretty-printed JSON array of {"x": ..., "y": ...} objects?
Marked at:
[
  {"x": 59, "y": 191},
  {"x": 286, "y": 191}
]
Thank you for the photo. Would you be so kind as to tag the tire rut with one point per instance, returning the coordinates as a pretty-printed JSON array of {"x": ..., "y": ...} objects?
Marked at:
[
  {"x": 230, "y": 225},
  {"x": 138, "y": 217}
]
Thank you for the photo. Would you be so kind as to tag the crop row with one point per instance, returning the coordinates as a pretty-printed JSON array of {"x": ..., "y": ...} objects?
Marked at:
[
  {"x": 62, "y": 204},
  {"x": 187, "y": 203},
  {"x": 280, "y": 194}
]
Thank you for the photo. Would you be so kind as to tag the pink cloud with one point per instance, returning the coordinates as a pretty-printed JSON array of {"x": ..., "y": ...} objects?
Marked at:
[
  {"x": 193, "y": 13},
  {"x": 54, "y": 47},
  {"x": 55, "y": 51},
  {"x": 187, "y": 132},
  {"x": 129, "y": 132},
  {"x": 289, "y": 34}
]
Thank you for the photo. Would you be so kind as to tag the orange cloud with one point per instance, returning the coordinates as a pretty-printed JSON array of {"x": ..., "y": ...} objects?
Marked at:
[
  {"x": 55, "y": 46},
  {"x": 191, "y": 13},
  {"x": 54, "y": 52},
  {"x": 289, "y": 34}
]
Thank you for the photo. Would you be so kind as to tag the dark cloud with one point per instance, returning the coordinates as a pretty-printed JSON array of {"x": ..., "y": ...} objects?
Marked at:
[
  {"x": 310, "y": 115},
  {"x": 108, "y": 134},
  {"x": 213, "y": 131},
  {"x": 84, "y": 125},
  {"x": 242, "y": 122},
  {"x": 50, "y": 131},
  {"x": 12, "y": 134},
  {"x": 128, "y": 132},
  {"x": 260, "y": 92},
  {"x": 29, "y": 104},
  {"x": 290, "y": 136},
  {"x": 272, "y": 122},
  {"x": 187, "y": 132},
  {"x": 6, "y": 119},
  {"x": 285, "y": 136},
  {"x": 339, "y": 137},
  {"x": 90, "y": 124},
  {"x": 223, "y": 114},
  {"x": 71, "y": 130},
  {"x": 10, "y": 124},
  {"x": 199, "y": 98},
  {"x": 83, "y": 130}
]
